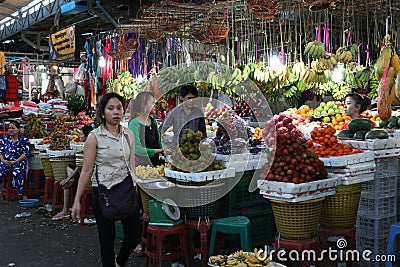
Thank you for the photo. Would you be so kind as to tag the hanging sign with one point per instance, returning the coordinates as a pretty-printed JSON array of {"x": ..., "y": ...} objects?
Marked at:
[{"x": 62, "y": 44}]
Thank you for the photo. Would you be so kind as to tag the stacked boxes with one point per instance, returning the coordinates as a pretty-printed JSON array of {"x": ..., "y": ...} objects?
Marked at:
[{"x": 377, "y": 209}]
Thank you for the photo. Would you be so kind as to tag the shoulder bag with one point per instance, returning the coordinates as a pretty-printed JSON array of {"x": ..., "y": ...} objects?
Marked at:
[{"x": 121, "y": 200}]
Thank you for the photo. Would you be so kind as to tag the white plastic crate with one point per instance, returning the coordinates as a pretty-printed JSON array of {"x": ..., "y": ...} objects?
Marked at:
[
  {"x": 377, "y": 208},
  {"x": 372, "y": 144},
  {"x": 354, "y": 169},
  {"x": 34, "y": 141},
  {"x": 34, "y": 161},
  {"x": 60, "y": 153},
  {"x": 301, "y": 197},
  {"x": 385, "y": 153},
  {"x": 248, "y": 165},
  {"x": 291, "y": 188},
  {"x": 348, "y": 180},
  {"x": 348, "y": 159},
  {"x": 386, "y": 167},
  {"x": 380, "y": 188},
  {"x": 200, "y": 176},
  {"x": 377, "y": 228},
  {"x": 376, "y": 246}
]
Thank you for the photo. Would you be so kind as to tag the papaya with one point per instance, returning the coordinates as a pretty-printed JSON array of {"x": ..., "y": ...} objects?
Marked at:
[
  {"x": 360, "y": 135},
  {"x": 386, "y": 54},
  {"x": 384, "y": 101},
  {"x": 395, "y": 63},
  {"x": 393, "y": 96},
  {"x": 356, "y": 125},
  {"x": 378, "y": 67},
  {"x": 377, "y": 134},
  {"x": 345, "y": 134}
]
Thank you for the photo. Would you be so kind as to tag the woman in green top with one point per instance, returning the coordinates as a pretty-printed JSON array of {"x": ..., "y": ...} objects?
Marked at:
[{"x": 148, "y": 144}]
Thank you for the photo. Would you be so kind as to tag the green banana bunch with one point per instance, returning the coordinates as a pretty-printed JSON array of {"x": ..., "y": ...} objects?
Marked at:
[
  {"x": 340, "y": 90},
  {"x": 315, "y": 49},
  {"x": 373, "y": 85}
]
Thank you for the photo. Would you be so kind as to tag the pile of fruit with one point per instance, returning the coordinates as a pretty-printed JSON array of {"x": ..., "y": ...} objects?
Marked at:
[
  {"x": 339, "y": 120},
  {"x": 294, "y": 162},
  {"x": 146, "y": 172},
  {"x": 194, "y": 155},
  {"x": 328, "y": 144},
  {"x": 240, "y": 258},
  {"x": 34, "y": 127},
  {"x": 75, "y": 135},
  {"x": 361, "y": 129},
  {"x": 392, "y": 123},
  {"x": 327, "y": 111},
  {"x": 258, "y": 133},
  {"x": 59, "y": 137},
  {"x": 243, "y": 110},
  {"x": 82, "y": 120}
]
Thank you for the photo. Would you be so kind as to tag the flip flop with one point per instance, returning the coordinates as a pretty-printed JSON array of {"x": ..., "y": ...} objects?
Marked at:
[
  {"x": 60, "y": 216},
  {"x": 138, "y": 251}
]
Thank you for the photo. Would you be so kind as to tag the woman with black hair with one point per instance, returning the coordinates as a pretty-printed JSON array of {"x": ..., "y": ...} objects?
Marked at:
[
  {"x": 354, "y": 105},
  {"x": 109, "y": 154},
  {"x": 14, "y": 150}
]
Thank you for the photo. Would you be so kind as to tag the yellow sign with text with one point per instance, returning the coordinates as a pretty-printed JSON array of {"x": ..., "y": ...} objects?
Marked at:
[{"x": 62, "y": 44}]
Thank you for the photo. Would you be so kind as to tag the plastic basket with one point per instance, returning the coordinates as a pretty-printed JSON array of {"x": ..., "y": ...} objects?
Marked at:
[
  {"x": 59, "y": 166},
  {"x": 45, "y": 159},
  {"x": 145, "y": 200},
  {"x": 297, "y": 220},
  {"x": 210, "y": 190},
  {"x": 377, "y": 208},
  {"x": 340, "y": 210},
  {"x": 386, "y": 167},
  {"x": 34, "y": 162},
  {"x": 371, "y": 227},
  {"x": 380, "y": 188}
]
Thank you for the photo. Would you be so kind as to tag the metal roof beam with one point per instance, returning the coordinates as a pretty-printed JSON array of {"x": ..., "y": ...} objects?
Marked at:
[
  {"x": 9, "y": 7},
  {"x": 29, "y": 17}
]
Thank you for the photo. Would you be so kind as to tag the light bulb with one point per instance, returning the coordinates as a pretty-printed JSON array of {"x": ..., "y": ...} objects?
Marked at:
[
  {"x": 31, "y": 78},
  {"x": 44, "y": 76},
  {"x": 274, "y": 62},
  {"x": 337, "y": 74},
  {"x": 102, "y": 62},
  {"x": 140, "y": 78}
]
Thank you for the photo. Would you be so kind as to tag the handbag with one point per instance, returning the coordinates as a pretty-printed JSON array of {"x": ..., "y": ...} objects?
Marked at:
[{"x": 121, "y": 200}]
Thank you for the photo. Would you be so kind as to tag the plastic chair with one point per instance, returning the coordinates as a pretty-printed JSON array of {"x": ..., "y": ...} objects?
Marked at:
[
  {"x": 348, "y": 233},
  {"x": 86, "y": 206},
  {"x": 232, "y": 225},
  {"x": 48, "y": 190},
  {"x": 8, "y": 190},
  {"x": 38, "y": 182},
  {"x": 155, "y": 249},
  {"x": 202, "y": 227},
  {"x": 58, "y": 197},
  {"x": 298, "y": 245},
  {"x": 394, "y": 231}
]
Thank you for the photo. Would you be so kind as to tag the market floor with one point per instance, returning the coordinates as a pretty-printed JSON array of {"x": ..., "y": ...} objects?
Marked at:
[{"x": 38, "y": 241}]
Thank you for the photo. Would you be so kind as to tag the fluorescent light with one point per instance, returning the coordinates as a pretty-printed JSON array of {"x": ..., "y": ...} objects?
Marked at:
[{"x": 102, "y": 62}]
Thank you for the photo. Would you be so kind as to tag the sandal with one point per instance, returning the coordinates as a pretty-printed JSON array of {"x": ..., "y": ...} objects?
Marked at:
[
  {"x": 138, "y": 250},
  {"x": 60, "y": 216}
]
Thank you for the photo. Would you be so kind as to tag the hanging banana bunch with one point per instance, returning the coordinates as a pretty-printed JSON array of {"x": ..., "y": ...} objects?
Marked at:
[
  {"x": 298, "y": 68},
  {"x": 347, "y": 53},
  {"x": 315, "y": 49}
]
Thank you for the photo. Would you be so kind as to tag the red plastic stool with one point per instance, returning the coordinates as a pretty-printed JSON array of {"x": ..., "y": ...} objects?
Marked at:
[
  {"x": 58, "y": 197},
  {"x": 202, "y": 227},
  {"x": 48, "y": 190},
  {"x": 348, "y": 233},
  {"x": 37, "y": 188},
  {"x": 155, "y": 244},
  {"x": 86, "y": 206},
  {"x": 298, "y": 245},
  {"x": 8, "y": 190},
  {"x": 145, "y": 223}
]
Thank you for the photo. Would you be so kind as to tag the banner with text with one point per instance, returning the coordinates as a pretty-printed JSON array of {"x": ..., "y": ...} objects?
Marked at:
[{"x": 62, "y": 44}]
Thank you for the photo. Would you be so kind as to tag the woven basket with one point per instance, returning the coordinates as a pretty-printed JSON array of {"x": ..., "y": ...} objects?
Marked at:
[
  {"x": 297, "y": 220},
  {"x": 319, "y": 5},
  {"x": 217, "y": 34},
  {"x": 59, "y": 166},
  {"x": 34, "y": 162},
  {"x": 340, "y": 210},
  {"x": 45, "y": 159},
  {"x": 145, "y": 200}
]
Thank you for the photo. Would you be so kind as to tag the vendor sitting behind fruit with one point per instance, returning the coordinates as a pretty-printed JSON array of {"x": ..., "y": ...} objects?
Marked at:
[
  {"x": 354, "y": 105},
  {"x": 185, "y": 116}
]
